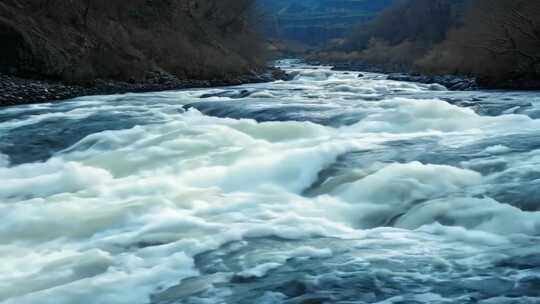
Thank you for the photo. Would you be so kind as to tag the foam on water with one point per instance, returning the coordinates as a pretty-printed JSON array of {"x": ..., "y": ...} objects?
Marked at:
[{"x": 180, "y": 207}]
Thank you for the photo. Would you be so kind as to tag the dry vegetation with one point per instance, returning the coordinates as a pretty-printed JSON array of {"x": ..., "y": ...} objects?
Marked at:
[
  {"x": 80, "y": 40},
  {"x": 497, "y": 41}
]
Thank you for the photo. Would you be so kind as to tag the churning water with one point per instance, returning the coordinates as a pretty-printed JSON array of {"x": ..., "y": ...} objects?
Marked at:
[{"x": 330, "y": 188}]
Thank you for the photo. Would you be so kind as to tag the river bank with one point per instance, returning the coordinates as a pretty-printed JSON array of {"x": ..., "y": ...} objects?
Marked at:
[
  {"x": 69, "y": 47},
  {"x": 19, "y": 91},
  {"x": 451, "y": 82}
]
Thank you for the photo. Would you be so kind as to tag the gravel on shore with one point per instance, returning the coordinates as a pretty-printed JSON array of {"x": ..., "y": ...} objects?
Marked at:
[{"x": 19, "y": 91}]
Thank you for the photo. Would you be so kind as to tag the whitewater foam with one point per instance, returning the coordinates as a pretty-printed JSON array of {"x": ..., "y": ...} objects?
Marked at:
[{"x": 126, "y": 215}]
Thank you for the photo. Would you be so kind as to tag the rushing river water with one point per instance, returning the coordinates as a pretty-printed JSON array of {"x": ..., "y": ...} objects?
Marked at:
[{"x": 330, "y": 188}]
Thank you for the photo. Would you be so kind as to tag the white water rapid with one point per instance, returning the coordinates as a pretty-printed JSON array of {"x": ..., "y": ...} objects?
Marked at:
[{"x": 330, "y": 188}]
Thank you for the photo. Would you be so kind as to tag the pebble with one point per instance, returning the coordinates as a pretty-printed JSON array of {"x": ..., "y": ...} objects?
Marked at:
[{"x": 18, "y": 91}]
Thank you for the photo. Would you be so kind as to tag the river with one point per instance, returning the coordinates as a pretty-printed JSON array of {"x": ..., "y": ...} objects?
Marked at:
[{"x": 330, "y": 188}]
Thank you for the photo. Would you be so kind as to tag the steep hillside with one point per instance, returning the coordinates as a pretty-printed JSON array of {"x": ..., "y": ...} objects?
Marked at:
[
  {"x": 81, "y": 40},
  {"x": 316, "y": 22}
]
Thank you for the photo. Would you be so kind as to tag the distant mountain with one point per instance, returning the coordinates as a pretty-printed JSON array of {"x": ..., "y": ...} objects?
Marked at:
[{"x": 315, "y": 22}]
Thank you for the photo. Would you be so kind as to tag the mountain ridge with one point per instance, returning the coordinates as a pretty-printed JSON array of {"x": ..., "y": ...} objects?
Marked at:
[{"x": 315, "y": 22}]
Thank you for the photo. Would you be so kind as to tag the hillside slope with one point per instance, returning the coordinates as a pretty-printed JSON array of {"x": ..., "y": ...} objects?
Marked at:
[
  {"x": 497, "y": 42},
  {"x": 81, "y": 40},
  {"x": 315, "y": 22}
]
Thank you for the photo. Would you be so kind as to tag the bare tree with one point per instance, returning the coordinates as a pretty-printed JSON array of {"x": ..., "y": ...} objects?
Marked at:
[{"x": 499, "y": 42}]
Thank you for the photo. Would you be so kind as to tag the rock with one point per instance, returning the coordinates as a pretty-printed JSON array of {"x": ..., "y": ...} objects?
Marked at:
[
  {"x": 15, "y": 90},
  {"x": 279, "y": 74},
  {"x": 454, "y": 83}
]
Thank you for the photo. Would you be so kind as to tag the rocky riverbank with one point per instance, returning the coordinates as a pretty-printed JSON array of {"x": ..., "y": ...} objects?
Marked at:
[
  {"x": 451, "y": 82},
  {"x": 78, "y": 42},
  {"x": 17, "y": 91}
]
